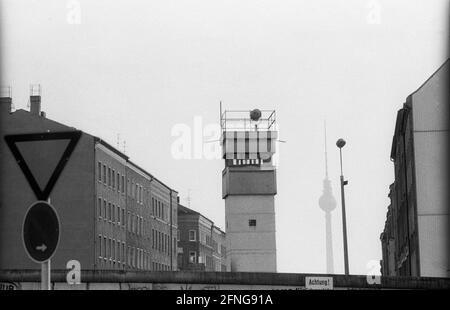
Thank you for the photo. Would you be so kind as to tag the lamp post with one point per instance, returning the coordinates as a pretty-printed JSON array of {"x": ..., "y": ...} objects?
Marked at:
[{"x": 340, "y": 144}]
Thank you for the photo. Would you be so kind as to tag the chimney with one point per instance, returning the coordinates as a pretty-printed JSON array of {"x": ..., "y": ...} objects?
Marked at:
[
  {"x": 35, "y": 99},
  {"x": 5, "y": 99}
]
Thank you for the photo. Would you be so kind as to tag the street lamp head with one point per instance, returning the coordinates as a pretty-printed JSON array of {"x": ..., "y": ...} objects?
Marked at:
[{"x": 340, "y": 143}]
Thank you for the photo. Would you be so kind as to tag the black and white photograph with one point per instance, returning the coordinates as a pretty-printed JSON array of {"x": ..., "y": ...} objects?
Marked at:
[{"x": 239, "y": 147}]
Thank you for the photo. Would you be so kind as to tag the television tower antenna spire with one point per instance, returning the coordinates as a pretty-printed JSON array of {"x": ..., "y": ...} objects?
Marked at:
[{"x": 326, "y": 155}]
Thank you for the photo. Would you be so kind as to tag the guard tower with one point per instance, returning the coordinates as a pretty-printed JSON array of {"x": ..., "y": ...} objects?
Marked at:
[{"x": 248, "y": 188}]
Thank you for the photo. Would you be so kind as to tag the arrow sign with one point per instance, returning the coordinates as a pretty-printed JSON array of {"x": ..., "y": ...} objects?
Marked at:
[
  {"x": 41, "y": 231},
  {"x": 41, "y": 248},
  {"x": 42, "y": 157}
]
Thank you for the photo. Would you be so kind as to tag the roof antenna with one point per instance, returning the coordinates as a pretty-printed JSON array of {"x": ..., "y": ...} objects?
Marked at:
[{"x": 189, "y": 198}]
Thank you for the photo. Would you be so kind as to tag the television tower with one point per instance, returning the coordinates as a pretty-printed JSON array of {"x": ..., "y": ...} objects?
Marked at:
[{"x": 327, "y": 203}]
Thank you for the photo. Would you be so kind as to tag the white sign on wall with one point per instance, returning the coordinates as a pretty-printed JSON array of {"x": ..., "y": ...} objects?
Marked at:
[{"x": 319, "y": 283}]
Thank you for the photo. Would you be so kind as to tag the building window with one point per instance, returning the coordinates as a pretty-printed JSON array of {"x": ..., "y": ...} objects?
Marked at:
[
  {"x": 113, "y": 213},
  {"x": 99, "y": 171},
  {"x": 113, "y": 250},
  {"x": 138, "y": 193},
  {"x": 123, "y": 253},
  {"x": 104, "y": 210},
  {"x": 153, "y": 238},
  {"x": 178, "y": 235},
  {"x": 138, "y": 220},
  {"x": 192, "y": 257},
  {"x": 158, "y": 240},
  {"x": 192, "y": 235},
  {"x": 123, "y": 184},
  {"x": 104, "y": 174},
  {"x": 108, "y": 244},
  {"x": 118, "y": 182},
  {"x": 99, "y": 208},
  {"x": 100, "y": 245},
  {"x": 163, "y": 243},
  {"x": 167, "y": 244},
  {"x": 252, "y": 223},
  {"x": 113, "y": 178},
  {"x": 118, "y": 252},
  {"x": 109, "y": 176}
]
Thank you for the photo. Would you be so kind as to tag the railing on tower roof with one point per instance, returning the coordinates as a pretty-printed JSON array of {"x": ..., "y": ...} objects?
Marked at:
[{"x": 239, "y": 120}]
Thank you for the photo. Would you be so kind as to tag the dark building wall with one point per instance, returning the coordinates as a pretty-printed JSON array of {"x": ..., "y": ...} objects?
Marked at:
[{"x": 73, "y": 197}]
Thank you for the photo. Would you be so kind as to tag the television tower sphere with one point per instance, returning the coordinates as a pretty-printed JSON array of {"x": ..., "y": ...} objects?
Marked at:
[
  {"x": 327, "y": 202},
  {"x": 255, "y": 114}
]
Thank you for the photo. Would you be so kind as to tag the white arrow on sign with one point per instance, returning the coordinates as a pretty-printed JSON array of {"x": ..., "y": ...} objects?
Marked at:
[{"x": 41, "y": 247}]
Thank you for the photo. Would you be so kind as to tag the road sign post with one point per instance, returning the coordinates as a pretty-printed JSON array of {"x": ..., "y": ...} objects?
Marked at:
[
  {"x": 45, "y": 276},
  {"x": 46, "y": 271}
]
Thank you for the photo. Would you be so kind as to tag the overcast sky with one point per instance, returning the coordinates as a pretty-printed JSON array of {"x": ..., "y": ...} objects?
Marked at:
[{"x": 139, "y": 68}]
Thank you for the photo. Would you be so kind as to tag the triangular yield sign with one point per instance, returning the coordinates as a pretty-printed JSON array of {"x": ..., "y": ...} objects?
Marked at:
[{"x": 42, "y": 157}]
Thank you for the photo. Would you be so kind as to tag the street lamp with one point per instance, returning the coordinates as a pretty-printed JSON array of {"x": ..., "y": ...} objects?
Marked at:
[{"x": 340, "y": 144}]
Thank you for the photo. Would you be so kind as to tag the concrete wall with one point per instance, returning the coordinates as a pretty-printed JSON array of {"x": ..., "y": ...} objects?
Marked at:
[
  {"x": 114, "y": 280},
  {"x": 248, "y": 181},
  {"x": 430, "y": 108},
  {"x": 251, "y": 248}
]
